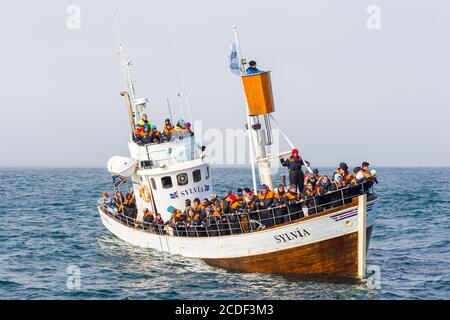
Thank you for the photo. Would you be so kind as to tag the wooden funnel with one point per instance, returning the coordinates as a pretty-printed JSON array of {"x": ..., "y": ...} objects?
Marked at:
[{"x": 258, "y": 90}]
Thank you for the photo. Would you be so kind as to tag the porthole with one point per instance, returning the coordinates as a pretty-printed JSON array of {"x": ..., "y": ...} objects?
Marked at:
[{"x": 182, "y": 179}]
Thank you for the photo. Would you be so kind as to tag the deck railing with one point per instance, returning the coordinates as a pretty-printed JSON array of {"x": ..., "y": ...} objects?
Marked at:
[{"x": 244, "y": 221}]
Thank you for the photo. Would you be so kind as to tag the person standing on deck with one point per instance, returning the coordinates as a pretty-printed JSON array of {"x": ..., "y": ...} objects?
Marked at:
[
  {"x": 294, "y": 164},
  {"x": 252, "y": 68},
  {"x": 104, "y": 201}
]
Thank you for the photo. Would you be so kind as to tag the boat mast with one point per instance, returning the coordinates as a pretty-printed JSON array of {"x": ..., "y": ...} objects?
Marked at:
[
  {"x": 250, "y": 138},
  {"x": 126, "y": 70}
]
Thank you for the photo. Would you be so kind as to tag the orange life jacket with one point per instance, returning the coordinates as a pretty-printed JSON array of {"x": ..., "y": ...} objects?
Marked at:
[
  {"x": 199, "y": 207},
  {"x": 291, "y": 196},
  {"x": 319, "y": 188},
  {"x": 279, "y": 195},
  {"x": 337, "y": 185},
  {"x": 310, "y": 193},
  {"x": 348, "y": 179},
  {"x": 269, "y": 194},
  {"x": 170, "y": 129},
  {"x": 128, "y": 201},
  {"x": 366, "y": 174},
  {"x": 236, "y": 204},
  {"x": 149, "y": 213}
]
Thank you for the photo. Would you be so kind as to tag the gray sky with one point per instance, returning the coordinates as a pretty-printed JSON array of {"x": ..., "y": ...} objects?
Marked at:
[{"x": 344, "y": 92}]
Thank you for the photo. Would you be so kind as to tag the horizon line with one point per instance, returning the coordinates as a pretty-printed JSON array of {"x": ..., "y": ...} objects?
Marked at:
[{"x": 212, "y": 165}]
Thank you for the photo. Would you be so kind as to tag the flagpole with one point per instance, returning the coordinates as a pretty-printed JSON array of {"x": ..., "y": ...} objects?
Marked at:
[
  {"x": 250, "y": 139},
  {"x": 170, "y": 112},
  {"x": 189, "y": 108}
]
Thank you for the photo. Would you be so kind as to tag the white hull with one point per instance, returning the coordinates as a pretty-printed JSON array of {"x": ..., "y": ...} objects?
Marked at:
[{"x": 312, "y": 229}]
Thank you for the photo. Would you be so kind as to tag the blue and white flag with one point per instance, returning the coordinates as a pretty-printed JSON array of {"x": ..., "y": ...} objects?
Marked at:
[
  {"x": 234, "y": 60},
  {"x": 118, "y": 180}
]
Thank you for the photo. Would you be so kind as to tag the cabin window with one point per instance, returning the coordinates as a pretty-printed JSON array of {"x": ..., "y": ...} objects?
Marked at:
[
  {"x": 146, "y": 164},
  {"x": 166, "y": 182},
  {"x": 153, "y": 183},
  {"x": 182, "y": 179},
  {"x": 197, "y": 175},
  {"x": 207, "y": 172}
]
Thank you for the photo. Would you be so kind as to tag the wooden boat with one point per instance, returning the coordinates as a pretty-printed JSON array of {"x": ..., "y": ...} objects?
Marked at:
[{"x": 327, "y": 238}]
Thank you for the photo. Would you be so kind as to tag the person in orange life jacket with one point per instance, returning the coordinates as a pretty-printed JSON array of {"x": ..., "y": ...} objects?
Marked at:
[
  {"x": 365, "y": 174},
  {"x": 294, "y": 164},
  {"x": 323, "y": 185},
  {"x": 215, "y": 214},
  {"x": 316, "y": 173},
  {"x": 176, "y": 215},
  {"x": 198, "y": 207},
  {"x": 249, "y": 203},
  {"x": 213, "y": 199},
  {"x": 146, "y": 135},
  {"x": 118, "y": 201},
  {"x": 291, "y": 196},
  {"x": 313, "y": 177},
  {"x": 323, "y": 188},
  {"x": 156, "y": 135},
  {"x": 199, "y": 220},
  {"x": 265, "y": 197},
  {"x": 309, "y": 191},
  {"x": 226, "y": 202},
  {"x": 195, "y": 218},
  {"x": 236, "y": 202},
  {"x": 189, "y": 216},
  {"x": 292, "y": 201},
  {"x": 347, "y": 178},
  {"x": 168, "y": 130},
  {"x": 148, "y": 216},
  {"x": 247, "y": 191},
  {"x": 138, "y": 133},
  {"x": 130, "y": 209},
  {"x": 279, "y": 195}
]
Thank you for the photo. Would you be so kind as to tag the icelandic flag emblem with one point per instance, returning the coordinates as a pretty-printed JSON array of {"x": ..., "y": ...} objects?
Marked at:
[
  {"x": 174, "y": 195},
  {"x": 344, "y": 215},
  {"x": 348, "y": 214},
  {"x": 118, "y": 180}
]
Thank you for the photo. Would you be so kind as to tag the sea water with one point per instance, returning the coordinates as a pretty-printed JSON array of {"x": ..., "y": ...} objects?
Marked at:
[{"x": 54, "y": 246}]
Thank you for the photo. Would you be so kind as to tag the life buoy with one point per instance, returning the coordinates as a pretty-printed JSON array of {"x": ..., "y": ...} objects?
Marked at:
[{"x": 145, "y": 193}]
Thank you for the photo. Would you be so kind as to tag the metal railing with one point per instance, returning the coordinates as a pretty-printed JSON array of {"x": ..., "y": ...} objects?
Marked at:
[
  {"x": 174, "y": 136},
  {"x": 245, "y": 221}
]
